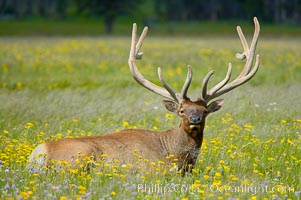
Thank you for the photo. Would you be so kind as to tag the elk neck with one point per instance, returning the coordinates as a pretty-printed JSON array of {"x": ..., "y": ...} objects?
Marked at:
[
  {"x": 181, "y": 140},
  {"x": 194, "y": 135}
]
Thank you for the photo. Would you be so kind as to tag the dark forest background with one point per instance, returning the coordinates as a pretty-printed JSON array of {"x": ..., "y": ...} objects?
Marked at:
[{"x": 151, "y": 12}]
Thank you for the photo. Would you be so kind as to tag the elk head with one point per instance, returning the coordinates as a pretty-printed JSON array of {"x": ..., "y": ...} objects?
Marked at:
[{"x": 193, "y": 113}]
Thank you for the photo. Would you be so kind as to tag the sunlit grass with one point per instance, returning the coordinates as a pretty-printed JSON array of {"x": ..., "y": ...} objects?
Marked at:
[{"x": 54, "y": 88}]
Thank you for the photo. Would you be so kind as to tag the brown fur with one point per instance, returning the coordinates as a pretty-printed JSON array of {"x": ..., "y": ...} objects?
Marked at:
[{"x": 182, "y": 142}]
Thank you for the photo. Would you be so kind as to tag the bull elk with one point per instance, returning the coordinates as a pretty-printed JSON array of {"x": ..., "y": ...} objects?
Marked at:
[{"x": 183, "y": 142}]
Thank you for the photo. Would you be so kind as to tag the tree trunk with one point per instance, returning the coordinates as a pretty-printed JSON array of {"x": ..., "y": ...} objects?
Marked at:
[
  {"x": 61, "y": 7},
  {"x": 213, "y": 10},
  {"x": 109, "y": 21},
  {"x": 29, "y": 8}
]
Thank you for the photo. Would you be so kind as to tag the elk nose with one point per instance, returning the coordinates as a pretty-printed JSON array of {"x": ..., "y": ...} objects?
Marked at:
[{"x": 195, "y": 119}]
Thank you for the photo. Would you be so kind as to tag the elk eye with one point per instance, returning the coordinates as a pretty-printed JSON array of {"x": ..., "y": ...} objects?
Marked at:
[
  {"x": 181, "y": 112},
  {"x": 206, "y": 112}
]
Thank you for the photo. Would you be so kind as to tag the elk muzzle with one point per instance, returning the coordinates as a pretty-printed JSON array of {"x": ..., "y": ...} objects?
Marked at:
[{"x": 194, "y": 121}]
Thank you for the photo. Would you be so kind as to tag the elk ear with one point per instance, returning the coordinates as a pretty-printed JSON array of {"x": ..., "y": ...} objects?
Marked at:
[
  {"x": 170, "y": 105},
  {"x": 215, "y": 105}
]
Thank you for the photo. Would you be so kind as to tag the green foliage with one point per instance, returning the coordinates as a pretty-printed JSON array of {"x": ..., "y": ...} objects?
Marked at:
[
  {"x": 95, "y": 26},
  {"x": 60, "y": 87}
]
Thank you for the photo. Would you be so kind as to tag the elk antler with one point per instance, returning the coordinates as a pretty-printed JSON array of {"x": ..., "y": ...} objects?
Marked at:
[
  {"x": 246, "y": 73},
  {"x": 167, "y": 91}
]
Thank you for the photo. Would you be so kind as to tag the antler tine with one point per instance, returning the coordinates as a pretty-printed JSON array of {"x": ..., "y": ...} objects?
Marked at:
[
  {"x": 183, "y": 94},
  {"x": 135, "y": 54},
  {"x": 166, "y": 86},
  {"x": 221, "y": 84},
  {"x": 140, "y": 42},
  {"x": 187, "y": 83},
  {"x": 244, "y": 43},
  {"x": 238, "y": 82},
  {"x": 248, "y": 52},
  {"x": 204, "y": 95},
  {"x": 245, "y": 75}
]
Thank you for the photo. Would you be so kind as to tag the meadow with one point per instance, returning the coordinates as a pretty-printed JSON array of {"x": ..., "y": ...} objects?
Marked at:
[{"x": 59, "y": 87}]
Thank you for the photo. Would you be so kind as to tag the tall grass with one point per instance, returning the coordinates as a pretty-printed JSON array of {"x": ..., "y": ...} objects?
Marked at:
[
  {"x": 96, "y": 27},
  {"x": 61, "y": 87}
]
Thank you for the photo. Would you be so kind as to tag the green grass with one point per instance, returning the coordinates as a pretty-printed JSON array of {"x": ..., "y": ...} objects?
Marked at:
[
  {"x": 95, "y": 27},
  {"x": 70, "y": 86}
]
